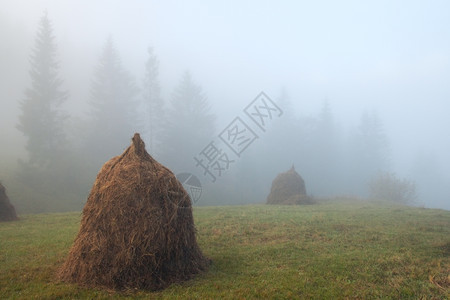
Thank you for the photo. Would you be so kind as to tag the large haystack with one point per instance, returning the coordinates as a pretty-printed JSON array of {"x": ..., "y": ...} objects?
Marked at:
[
  {"x": 7, "y": 210},
  {"x": 137, "y": 228},
  {"x": 288, "y": 188}
]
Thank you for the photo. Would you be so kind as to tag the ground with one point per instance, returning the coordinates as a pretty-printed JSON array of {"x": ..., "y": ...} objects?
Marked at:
[{"x": 333, "y": 250}]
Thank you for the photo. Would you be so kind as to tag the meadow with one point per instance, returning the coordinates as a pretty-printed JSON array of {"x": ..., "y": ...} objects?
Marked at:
[{"x": 337, "y": 249}]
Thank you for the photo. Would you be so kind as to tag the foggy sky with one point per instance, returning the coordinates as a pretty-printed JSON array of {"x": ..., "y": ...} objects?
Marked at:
[{"x": 389, "y": 56}]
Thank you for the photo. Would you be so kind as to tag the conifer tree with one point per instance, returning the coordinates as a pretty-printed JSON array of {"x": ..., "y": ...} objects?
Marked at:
[
  {"x": 189, "y": 125},
  {"x": 154, "y": 104},
  {"x": 41, "y": 119},
  {"x": 113, "y": 115}
]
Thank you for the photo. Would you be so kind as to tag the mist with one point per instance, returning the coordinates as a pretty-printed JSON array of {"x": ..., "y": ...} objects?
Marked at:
[{"x": 336, "y": 70}]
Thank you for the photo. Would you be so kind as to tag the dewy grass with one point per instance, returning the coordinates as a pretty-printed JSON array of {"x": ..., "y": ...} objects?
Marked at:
[{"x": 332, "y": 250}]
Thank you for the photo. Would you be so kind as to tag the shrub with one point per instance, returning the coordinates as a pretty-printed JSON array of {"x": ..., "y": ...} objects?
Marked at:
[{"x": 386, "y": 186}]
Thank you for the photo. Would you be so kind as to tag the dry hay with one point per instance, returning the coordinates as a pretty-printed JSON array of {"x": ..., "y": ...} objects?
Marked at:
[
  {"x": 288, "y": 188},
  {"x": 137, "y": 228},
  {"x": 7, "y": 210}
]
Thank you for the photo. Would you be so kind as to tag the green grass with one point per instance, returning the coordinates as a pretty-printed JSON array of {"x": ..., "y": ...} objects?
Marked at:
[{"x": 331, "y": 250}]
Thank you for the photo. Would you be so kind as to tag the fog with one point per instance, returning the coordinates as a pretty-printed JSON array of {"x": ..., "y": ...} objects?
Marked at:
[{"x": 340, "y": 60}]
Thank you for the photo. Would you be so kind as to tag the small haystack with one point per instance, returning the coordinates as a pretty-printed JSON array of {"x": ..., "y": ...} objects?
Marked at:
[
  {"x": 7, "y": 210},
  {"x": 137, "y": 228},
  {"x": 288, "y": 188}
]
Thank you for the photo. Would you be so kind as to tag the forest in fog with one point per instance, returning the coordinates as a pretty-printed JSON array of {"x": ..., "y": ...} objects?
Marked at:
[{"x": 67, "y": 108}]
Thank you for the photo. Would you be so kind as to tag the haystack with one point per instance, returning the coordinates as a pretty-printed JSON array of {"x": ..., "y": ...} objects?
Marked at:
[
  {"x": 288, "y": 188},
  {"x": 137, "y": 228},
  {"x": 7, "y": 210}
]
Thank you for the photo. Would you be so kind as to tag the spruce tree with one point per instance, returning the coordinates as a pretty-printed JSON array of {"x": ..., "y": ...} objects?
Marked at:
[
  {"x": 113, "y": 115},
  {"x": 154, "y": 104},
  {"x": 369, "y": 153},
  {"x": 41, "y": 119},
  {"x": 48, "y": 178},
  {"x": 189, "y": 125}
]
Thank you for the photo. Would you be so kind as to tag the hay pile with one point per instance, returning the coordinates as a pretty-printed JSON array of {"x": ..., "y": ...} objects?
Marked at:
[
  {"x": 288, "y": 188},
  {"x": 7, "y": 210},
  {"x": 137, "y": 228}
]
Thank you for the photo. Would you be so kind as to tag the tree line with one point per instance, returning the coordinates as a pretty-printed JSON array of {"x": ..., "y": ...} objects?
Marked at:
[{"x": 61, "y": 166}]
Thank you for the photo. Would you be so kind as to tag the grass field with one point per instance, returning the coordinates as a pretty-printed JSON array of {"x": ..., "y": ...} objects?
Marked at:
[{"x": 332, "y": 250}]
